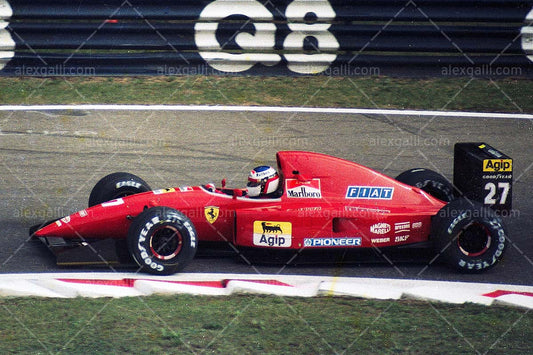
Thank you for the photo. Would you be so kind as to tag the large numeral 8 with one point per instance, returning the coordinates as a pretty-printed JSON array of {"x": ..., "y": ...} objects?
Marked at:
[{"x": 310, "y": 63}]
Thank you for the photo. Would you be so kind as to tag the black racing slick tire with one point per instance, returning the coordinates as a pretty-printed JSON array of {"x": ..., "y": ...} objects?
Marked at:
[
  {"x": 115, "y": 186},
  {"x": 429, "y": 181},
  {"x": 468, "y": 236},
  {"x": 162, "y": 241}
]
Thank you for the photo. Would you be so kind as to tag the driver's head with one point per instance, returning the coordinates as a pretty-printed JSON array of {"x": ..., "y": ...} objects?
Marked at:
[{"x": 262, "y": 180}]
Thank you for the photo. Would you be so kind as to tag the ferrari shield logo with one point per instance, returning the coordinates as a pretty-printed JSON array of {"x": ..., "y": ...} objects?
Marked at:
[{"x": 211, "y": 213}]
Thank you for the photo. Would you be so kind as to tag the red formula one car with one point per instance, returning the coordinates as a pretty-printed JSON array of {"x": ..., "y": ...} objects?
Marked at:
[{"x": 321, "y": 202}]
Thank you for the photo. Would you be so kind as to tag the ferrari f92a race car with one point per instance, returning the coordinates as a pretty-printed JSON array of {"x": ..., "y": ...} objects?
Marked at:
[{"x": 321, "y": 202}]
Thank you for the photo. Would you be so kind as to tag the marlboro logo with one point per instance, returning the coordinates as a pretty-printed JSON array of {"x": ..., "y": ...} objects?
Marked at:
[{"x": 303, "y": 189}]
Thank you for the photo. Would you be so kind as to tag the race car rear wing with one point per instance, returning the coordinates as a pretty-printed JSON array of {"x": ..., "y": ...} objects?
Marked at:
[{"x": 484, "y": 174}]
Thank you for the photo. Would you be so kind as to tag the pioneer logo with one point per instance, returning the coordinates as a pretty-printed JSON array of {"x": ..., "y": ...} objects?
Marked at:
[{"x": 332, "y": 242}]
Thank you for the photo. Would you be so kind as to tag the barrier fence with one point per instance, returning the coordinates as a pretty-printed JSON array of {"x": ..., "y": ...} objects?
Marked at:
[{"x": 483, "y": 38}]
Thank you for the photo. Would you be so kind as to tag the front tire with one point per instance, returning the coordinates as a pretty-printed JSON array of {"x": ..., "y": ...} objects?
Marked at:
[
  {"x": 429, "y": 181},
  {"x": 470, "y": 237},
  {"x": 162, "y": 241},
  {"x": 115, "y": 186}
]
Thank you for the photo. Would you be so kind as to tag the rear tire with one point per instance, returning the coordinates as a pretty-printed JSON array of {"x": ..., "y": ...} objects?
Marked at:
[
  {"x": 429, "y": 181},
  {"x": 162, "y": 241},
  {"x": 115, "y": 186},
  {"x": 470, "y": 237}
]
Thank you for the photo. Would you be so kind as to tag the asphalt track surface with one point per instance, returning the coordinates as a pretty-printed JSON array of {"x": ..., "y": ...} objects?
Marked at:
[{"x": 50, "y": 160}]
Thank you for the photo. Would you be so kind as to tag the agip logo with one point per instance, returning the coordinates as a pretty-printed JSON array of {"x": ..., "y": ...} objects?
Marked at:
[
  {"x": 497, "y": 165},
  {"x": 272, "y": 234}
]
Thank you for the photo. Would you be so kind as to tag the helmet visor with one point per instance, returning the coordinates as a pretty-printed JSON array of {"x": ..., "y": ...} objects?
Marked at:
[{"x": 253, "y": 184}]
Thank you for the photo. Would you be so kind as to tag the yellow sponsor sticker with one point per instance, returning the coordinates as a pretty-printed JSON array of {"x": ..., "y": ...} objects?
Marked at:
[
  {"x": 163, "y": 191},
  {"x": 497, "y": 165},
  {"x": 272, "y": 234}
]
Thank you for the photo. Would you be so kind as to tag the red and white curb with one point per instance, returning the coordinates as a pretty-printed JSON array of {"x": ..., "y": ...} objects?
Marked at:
[{"x": 69, "y": 285}]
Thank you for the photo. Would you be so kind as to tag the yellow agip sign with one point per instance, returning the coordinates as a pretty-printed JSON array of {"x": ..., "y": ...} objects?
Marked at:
[{"x": 497, "y": 165}]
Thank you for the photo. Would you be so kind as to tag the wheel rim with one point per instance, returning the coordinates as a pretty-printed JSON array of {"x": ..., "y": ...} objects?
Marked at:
[
  {"x": 166, "y": 242},
  {"x": 474, "y": 240}
]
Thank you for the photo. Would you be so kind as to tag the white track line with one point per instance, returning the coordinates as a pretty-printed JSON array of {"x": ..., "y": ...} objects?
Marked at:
[{"x": 326, "y": 110}]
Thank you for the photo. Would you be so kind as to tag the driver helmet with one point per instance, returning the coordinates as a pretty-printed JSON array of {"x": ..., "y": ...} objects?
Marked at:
[{"x": 262, "y": 180}]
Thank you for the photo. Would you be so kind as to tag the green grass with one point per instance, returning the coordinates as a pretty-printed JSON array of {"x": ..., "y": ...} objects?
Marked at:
[
  {"x": 505, "y": 95},
  {"x": 259, "y": 325}
]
